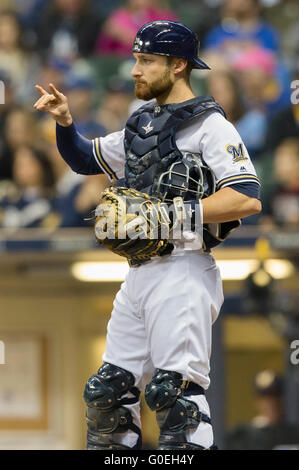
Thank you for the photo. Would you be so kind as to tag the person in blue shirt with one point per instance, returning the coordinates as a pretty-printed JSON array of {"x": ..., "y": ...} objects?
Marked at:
[
  {"x": 26, "y": 202},
  {"x": 250, "y": 122},
  {"x": 241, "y": 26},
  {"x": 80, "y": 90}
]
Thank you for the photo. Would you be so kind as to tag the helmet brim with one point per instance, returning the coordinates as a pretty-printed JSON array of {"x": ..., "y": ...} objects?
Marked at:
[{"x": 200, "y": 64}]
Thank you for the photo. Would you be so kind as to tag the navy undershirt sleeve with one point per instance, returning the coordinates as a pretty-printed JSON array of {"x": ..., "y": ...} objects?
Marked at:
[
  {"x": 249, "y": 189},
  {"x": 76, "y": 150}
]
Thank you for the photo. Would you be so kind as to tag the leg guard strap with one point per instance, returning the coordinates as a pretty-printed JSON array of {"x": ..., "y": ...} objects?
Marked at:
[
  {"x": 102, "y": 425},
  {"x": 165, "y": 444},
  {"x": 182, "y": 415}
]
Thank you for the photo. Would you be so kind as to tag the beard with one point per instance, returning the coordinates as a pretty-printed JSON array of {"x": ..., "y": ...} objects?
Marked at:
[{"x": 148, "y": 91}]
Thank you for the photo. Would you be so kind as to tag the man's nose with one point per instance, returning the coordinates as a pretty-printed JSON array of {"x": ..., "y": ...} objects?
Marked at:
[{"x": 135, "y": 72}]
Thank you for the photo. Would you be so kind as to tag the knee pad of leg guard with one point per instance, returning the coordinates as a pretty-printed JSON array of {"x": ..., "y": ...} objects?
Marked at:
[
  {"x": 175, "y": 414},
  {"x": 105, "y": 389},
  {"x": 163, "y": 390},
  {"x": 104, "y": 396}
]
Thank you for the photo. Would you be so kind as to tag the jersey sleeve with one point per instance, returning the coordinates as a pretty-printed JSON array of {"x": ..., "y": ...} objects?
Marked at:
[
  {"x": 225, "y": 153},
  {"x": 109, "y": 153},
  {"x": 90, "y": 157}
]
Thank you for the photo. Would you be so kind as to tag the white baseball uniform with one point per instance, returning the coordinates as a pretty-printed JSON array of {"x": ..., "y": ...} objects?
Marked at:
[{"x": 164, "y": 311}]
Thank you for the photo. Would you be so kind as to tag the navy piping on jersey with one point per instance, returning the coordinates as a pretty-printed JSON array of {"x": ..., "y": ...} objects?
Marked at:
[
  {"x": 101, "y": 161},
  {"x": 241, "y": 178}
]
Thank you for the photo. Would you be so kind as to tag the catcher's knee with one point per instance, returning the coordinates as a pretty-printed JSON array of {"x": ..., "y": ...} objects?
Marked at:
[
  {"x": 105, "y": 394},
  {"x": 167, "y": 395}
]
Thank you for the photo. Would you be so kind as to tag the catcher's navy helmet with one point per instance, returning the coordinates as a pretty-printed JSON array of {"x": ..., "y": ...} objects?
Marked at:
[{"x": 169, "y": 38}]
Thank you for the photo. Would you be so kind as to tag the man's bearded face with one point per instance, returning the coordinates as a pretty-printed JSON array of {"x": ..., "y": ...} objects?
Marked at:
[
  {"x": 147, "y": 90},
  {"x": 152, "y": 76}
]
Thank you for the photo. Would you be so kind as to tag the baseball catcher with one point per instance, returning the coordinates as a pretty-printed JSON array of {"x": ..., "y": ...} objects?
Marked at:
[{"x": 181, "y": 180}]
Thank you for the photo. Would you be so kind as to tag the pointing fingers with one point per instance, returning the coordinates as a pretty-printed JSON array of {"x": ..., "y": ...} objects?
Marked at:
[
  {"x": 41, "y": 90},
  {"x": 55, "y": 91},
  {"x": 42, "y": 103}
]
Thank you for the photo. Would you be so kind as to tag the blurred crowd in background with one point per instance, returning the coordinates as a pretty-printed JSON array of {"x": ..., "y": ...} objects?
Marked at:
[{"x": 84, "y": 48}]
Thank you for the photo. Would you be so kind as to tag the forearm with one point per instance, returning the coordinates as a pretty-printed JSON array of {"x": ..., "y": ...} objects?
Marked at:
[
  {"x": 76, "y": 150},
  {"x": 227, "y": 204}
]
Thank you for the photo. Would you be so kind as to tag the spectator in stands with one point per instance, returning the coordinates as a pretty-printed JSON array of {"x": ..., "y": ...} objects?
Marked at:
[
  {"x": 201, "y": 16},
  {"x": 29, "y": 11},
  {"x": 80, "y": 94},
  {"x": 283, "y": 16},
  {"x": 68, "y": 29},
  {"x": 27, "y": 200},
  {"x": 15, "y": 60},
  {"x": 119, "y": 30},
  {"x": 53, "y": 70},
  {"x": 283, "y": 124},
  {"x": 268, "y": 430},
  {"x": 105, "y": 8},
  {"x": 67, "y": 183},
  {"x": 76, "y": 196},
  {"x": 281, "y": 206},
  {"x": 291, "y": 47},
  {"x": 265, "y": 82},
  {"x": 250, "y": 123},
  {"x": 114, "y": 109},
  {"x": 20, "y": 129},
  {"x": 241, "y": 27}
]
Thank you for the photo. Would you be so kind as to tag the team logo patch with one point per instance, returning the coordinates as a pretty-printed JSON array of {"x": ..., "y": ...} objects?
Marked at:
[
  {"x": 148, "y": 128},
  {"x": 237, "y": 152},
  {"x": 137, "y": 44}
]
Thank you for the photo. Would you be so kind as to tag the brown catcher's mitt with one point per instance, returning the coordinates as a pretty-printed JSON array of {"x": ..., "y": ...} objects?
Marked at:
[{"x": 132, "y": 224}]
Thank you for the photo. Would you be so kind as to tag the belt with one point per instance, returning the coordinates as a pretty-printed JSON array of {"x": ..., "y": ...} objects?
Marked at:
[
  {"x": 137, "y": 262},
  {"x": 191, "y": 388}
]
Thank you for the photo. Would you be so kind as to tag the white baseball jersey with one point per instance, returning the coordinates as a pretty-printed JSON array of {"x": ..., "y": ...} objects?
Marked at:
[{"x": 211, "y": 135}]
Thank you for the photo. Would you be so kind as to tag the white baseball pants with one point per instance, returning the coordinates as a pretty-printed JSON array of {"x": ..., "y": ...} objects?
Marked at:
[{"x": 162, "y": 318}]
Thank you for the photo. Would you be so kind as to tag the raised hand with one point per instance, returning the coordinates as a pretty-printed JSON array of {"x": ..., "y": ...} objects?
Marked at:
[{"x": 54, "y": 103}]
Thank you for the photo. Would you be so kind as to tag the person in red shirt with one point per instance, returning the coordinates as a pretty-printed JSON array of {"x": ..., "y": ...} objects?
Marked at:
[{"x": 119, "y": 31}]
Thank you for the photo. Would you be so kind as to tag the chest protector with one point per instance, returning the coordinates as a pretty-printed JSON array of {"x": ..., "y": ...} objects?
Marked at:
[
  {"x": 150, "y": 139},
  {"x": 150, "y": 146}
]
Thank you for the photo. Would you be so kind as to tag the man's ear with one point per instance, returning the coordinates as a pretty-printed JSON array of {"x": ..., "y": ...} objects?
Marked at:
[{"x": 179, "y": 65}]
